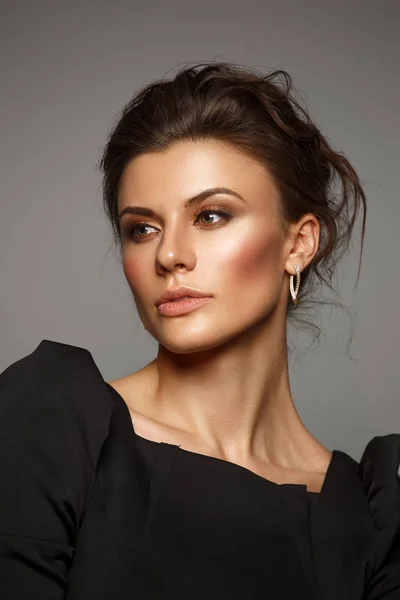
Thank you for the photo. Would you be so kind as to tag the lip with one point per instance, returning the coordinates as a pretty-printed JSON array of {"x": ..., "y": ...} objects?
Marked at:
[
  {"x": 177, "y": 308},
  {"x": 179, "y": 293}
]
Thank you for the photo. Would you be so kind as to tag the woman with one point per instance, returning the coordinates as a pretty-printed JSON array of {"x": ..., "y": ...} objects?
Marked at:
[{"x": 194, "y": 477}]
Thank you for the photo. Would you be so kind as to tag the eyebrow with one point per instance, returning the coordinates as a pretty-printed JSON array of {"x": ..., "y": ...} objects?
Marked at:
[{"x": 148, "y": 212}]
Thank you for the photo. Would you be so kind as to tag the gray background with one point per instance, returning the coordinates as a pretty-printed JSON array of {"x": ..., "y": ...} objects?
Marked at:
[{"x": 66, "y": 70}]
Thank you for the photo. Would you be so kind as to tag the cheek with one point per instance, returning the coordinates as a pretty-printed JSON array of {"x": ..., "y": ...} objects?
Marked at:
[
  {"x": 135, "y": 272},
  {"x": 254, "y": 258}
]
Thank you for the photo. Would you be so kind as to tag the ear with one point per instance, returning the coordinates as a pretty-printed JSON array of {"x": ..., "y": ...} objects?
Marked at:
[{"x": 303, "y": 242}]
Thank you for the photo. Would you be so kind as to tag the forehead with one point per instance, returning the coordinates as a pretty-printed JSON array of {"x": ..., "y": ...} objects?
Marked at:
[{"x": 188, "y": 167}]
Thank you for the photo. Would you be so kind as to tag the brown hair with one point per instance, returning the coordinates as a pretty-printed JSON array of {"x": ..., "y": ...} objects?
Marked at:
[{"x": 259, "y": 115}]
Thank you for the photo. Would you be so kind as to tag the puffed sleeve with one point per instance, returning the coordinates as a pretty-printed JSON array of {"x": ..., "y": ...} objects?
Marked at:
[
  {"x": 47, "y": 471},
  {"x": 379, "y": 472}
]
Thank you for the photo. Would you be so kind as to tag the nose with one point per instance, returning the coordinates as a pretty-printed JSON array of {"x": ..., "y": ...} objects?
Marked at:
[{"x": 175, "y": 251}]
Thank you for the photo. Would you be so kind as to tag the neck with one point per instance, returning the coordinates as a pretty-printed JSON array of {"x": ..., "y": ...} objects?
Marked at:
[{"x": 235, "y": 398}]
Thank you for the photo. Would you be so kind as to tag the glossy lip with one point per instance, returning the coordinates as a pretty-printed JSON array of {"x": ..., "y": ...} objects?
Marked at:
[
  {"x": 180, "y": 292},
  {"x": 181, "y": 307}
]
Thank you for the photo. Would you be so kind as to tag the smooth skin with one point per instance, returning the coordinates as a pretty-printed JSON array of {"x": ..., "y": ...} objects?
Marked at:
[{"x": 219, "y": 385}]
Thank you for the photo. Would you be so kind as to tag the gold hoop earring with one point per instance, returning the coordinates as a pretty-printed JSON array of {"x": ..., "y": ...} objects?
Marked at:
[{"x": 292, "y": 290}]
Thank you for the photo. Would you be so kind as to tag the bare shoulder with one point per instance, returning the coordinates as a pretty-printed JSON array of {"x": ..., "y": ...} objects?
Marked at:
[
  {"x": 136, "y": 386},
  {"x": 123, "y": 384},
  {"x": 322, "y": 462},
  {"x": 132, "y": 388},
  {"x": 137, "y": 391},
  {"x": 320, "y": 458}
]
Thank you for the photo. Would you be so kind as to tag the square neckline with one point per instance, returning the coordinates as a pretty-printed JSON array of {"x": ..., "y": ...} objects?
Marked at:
[
  {"x": 236, "y": 467},
  {"x": 302, "y": 487}
]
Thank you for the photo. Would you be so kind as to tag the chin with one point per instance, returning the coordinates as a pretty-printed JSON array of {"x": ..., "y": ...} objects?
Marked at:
[
  {"x": 195, "y": 340},
  {"x": 187, "y": 345}
]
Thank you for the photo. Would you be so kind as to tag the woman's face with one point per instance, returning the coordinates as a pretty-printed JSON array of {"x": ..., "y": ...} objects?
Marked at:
[{"x": 239, "y": 258}]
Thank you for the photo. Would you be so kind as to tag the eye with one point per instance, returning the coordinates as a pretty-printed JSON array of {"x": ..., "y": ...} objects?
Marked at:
[
  {"x": 133, "y": 231},
  {"x": 226, "y": 216}
]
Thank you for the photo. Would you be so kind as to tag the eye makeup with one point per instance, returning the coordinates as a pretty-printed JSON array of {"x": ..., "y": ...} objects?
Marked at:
[{"x": 130, "y": 231}]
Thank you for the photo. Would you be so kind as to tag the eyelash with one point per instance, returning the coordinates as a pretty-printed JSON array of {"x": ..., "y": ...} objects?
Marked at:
[{"x": 227, "y": 216}]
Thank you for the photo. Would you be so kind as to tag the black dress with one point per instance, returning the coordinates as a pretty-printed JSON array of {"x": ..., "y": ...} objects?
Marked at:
[{"x": 91, "y": 511}]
